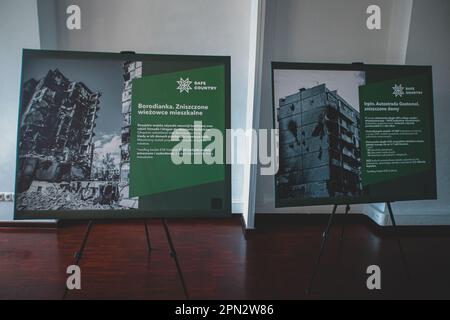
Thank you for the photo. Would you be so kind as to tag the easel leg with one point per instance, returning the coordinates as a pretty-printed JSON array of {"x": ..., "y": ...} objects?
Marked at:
[
  {"x": 400, "y": 246},
  {"x": 325, "y": 236},
  {"x": 347, "y": 210},
  {"x": 147, "y": 236},
  {"x": 341, "y": 240},
  {"x": 79, "y": 254},
  {"x": 173, "y": 254}
]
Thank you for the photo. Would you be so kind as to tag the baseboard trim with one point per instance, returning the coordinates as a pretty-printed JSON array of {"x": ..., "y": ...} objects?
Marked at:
[{"x": 267, "y": 221}]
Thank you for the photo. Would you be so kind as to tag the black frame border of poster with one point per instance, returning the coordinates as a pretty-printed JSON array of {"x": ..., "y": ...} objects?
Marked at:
[
  {"x": 356, "y": 66},
  {"x": 132, "y": 213}
]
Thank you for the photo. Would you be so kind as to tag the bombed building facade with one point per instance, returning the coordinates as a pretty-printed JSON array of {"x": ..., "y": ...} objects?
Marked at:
[
  {"x": 62, "y": 164},
  {"x": 131, "y": 70},
  {"x": 56, "y": 130},
  {"x": 56, "y": 147},
  {"x": 319, "y": 150}
]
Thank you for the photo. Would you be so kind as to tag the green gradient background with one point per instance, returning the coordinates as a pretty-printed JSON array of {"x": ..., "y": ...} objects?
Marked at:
[
  {"x": 160, "y": 174},
  {"x": 382, "y": 92}
]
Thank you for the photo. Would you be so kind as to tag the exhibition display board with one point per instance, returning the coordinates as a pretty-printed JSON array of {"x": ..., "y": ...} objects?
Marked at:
[
  {"x": 353, "y": 133},
  {"x": 105, "y": 135}
]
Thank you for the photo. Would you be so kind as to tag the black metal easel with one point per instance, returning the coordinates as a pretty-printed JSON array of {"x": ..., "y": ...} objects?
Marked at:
[
  {"x": 326, "y": 235},
  {"x": 79, "y": 254},
  {"x": 172, "y": 252}
]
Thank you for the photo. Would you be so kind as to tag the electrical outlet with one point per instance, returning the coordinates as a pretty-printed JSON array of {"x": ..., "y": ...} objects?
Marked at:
[
  {"x": 9, "y": 197},
  {"x": 6, "y": 196}
]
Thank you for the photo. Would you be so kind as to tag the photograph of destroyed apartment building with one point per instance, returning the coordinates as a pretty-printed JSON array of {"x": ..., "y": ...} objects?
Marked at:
[
  {"x": 74, "y": 135},
  {"x": 317, "y": 113}
]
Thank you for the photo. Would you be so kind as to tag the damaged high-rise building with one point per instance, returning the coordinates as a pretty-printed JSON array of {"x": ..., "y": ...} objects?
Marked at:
[
  {"x": 319, "y": 149},
  {"x": 131, "y": 70},
  {"x": 56, "y": 130}
]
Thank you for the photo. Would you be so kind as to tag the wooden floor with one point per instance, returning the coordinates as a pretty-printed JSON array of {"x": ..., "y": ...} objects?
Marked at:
[{"x": 218, "y": 263}]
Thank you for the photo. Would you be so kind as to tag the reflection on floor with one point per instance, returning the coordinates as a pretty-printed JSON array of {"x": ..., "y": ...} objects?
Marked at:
[{"x": 218, "y": 263}]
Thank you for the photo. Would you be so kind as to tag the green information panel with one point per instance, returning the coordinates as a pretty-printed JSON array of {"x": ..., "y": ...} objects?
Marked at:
[
  {"x": 395, "y": 130},
  {"x": 190, "y": 102}
]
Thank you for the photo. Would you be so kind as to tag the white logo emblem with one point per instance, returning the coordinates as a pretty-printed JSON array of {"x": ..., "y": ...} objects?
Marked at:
[
  {"x": 184, "y": 85},
  {"x": 399, "y": 91}
]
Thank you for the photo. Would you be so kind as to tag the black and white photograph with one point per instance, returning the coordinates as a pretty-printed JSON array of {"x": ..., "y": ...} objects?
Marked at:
[
  {"x": 74, "y": 134},
  {"x": 317, "y": 113}
]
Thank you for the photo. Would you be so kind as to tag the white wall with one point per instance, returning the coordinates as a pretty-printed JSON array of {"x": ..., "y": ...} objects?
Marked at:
[
  {"x": 18, "y": 29},
  {"x": 429, "y": 44},
  {"x": 203, "y": 27},
  {"x": 327, "y": 31},
  {"x": 253, "y": 110}
]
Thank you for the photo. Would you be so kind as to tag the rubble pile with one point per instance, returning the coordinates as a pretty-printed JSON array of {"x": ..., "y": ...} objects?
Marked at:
[
  {"x": 56, "y": 130},
  {"x": 56, "y": 196}
]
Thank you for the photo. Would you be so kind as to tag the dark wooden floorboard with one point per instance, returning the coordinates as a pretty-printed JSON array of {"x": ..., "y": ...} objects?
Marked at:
[{"x": 218, "y": 263}]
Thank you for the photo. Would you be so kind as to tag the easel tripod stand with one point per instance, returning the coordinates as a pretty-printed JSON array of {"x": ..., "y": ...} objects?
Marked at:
[
  {"x": 79, "y": 254},
  {"x": 326, "y": 236}
]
